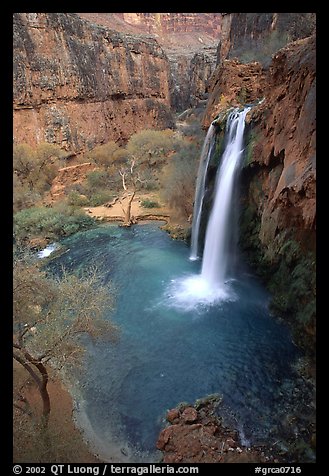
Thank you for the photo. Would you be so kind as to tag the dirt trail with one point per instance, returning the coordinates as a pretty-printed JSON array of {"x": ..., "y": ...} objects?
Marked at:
[{"x": 116, "y": 213}]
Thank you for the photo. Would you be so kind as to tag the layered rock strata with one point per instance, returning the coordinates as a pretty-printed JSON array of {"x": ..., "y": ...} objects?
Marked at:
[
  {"x": 78, "y": 84},
  {"x": 189, "y": 40}
]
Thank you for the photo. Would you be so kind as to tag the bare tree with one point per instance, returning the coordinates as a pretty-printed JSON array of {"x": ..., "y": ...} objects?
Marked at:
[
  {"x": 50, "y": 314},
  {"x": 130, "y": 175}
]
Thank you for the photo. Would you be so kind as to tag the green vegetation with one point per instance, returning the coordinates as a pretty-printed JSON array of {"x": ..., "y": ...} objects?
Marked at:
[
  {"x": 251, "y": 141},
  {"x": 34, "y": 171},
  {"x": 106, "y": 155},
  {"x": 100, "y": 198},
  {"x": 139, "y": 165},
  {"x": 50, "y": 316},
  {"x": 150, "y": 160},
  {"x": 151, "y": 147},
  {"x": 294, "y": 283},
  {"x": 289, "y": 273},
  {"x": 75, "y": 199},
  {"x": 149, "y": 204},
  {"x": 51, "y": 223},
  {"x": 178, "y": 180}
]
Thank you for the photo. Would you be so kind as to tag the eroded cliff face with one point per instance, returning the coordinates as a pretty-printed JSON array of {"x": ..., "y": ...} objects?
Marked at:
[
  {"x": 255, "y": 36},
  {"x": 233, "y": 84},
  {"x": 284, "y": 129},
  {"x": 189, "y": 40},
  {"x": 191, "y": 28},
  {"x": 278, "y": 208},
  {"x": 78, "y": 84}
]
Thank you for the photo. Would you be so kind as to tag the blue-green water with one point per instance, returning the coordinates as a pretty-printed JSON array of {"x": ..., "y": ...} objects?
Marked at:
[{"x": 172, "y": 349}]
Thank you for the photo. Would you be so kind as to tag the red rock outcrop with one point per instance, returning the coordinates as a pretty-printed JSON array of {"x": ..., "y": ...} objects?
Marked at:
[
  {"x": 196, "y": 435},
  {"x": 284, "y": 129},
  {"x": 255, "y": 36},
  {"x": 179, "y": 30},
  {"x": 189, "y": 39},
  {"x": 233, "y": 84},
  {"x": 78, "y": 84},
  {"x": 68, "y": 176},
  {"x": 283, "y": 132}
]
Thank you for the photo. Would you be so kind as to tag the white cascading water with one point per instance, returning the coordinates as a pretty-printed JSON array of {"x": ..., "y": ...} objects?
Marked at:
[
  {"x": 209, "y": 286},
  {"x": 215, "y": 263},
  {"x": 205, "y": 156}
]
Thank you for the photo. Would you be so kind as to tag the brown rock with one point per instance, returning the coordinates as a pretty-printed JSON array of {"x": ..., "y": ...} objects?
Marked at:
[
  {"x": 203, "y": 442},
  {"x": 78, "y": 84},
  {"x": 230, "y": 443},
  {"x": 173, "y": 415},
  {"x": 68, "y": 176},
  {"x": 38, "y": 243},
  {"x": 233, "y": 84},
  {"x": 242, "y": 32},
  {"x": 189, "y": 415},
  {"x": 164, "y": 438},
  {"x": 190, "y": 41}
]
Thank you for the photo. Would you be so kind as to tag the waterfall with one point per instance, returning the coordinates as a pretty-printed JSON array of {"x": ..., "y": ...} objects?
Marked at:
[
  {"x": 206, "y": 153},
  {"x": 216, "y": 256},
  {"x": 209, "y": 287}
]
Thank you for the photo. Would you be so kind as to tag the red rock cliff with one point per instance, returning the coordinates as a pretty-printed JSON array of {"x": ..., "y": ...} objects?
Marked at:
[
  {"x": 278, "y": 212},
  {"x": 283, "y": 131},
  {"x": 189, "y": 39},
  {"x": 196, "y": 28},
  {"x": 255, "y": 36},
  {"x": 78, "y": 84}
]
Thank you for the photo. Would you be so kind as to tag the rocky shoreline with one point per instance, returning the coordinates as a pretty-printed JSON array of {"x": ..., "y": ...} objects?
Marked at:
[{"x": 199, "y": 433}]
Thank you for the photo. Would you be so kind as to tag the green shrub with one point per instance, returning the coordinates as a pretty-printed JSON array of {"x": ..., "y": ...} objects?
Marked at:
[
  {"x": 99, "y": 198},
  {"x": 107, "y": 154},
  {"x": 149, "y": 204},
  {"x": 151, "y": 146},
  {"x": 75, "y": 199},
  {"x": 49, "y": 222},
  {"x": 35, "y": 168},
  {"x": 97, "y": 179},
  {"x": 178, "y": 180},
  {"x": 23, "y": 196},
  {"x": 251, "y": 141}
]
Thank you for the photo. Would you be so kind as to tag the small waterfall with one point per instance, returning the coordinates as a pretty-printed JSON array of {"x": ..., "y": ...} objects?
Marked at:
[
  {"x": 216, "y": 257},
  {"x": 206, "y": 153}
]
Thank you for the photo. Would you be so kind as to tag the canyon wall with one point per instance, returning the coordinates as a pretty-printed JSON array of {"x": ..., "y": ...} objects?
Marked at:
[
  {"x": 278, "y": 201},
  {"x": 189, "y": 40},
  {"x": 192, "y": 29},
  {"x": 167, "y": 23},
  {"x": 256, "y": 36},
  {"x": 284, "y": 128},
  {"x": 78, "y": 84},
  {"x": 83, "y": 79}
]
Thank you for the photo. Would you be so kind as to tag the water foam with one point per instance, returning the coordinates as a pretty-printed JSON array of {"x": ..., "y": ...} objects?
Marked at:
[
  {"x": 48, "y": 250},
  {"x": 193, "y": 292}
]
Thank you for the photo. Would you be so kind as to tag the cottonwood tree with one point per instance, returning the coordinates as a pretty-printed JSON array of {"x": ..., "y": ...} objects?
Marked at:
[
  {"x": 50, "y": 316},
  {"x": 148, "y": 151},
  {"x": 178, "y": 180},
  {"x": 151, "y": 148},
  {"x": 130, "y": 179},
  {"x": 34, "y": 170}
]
